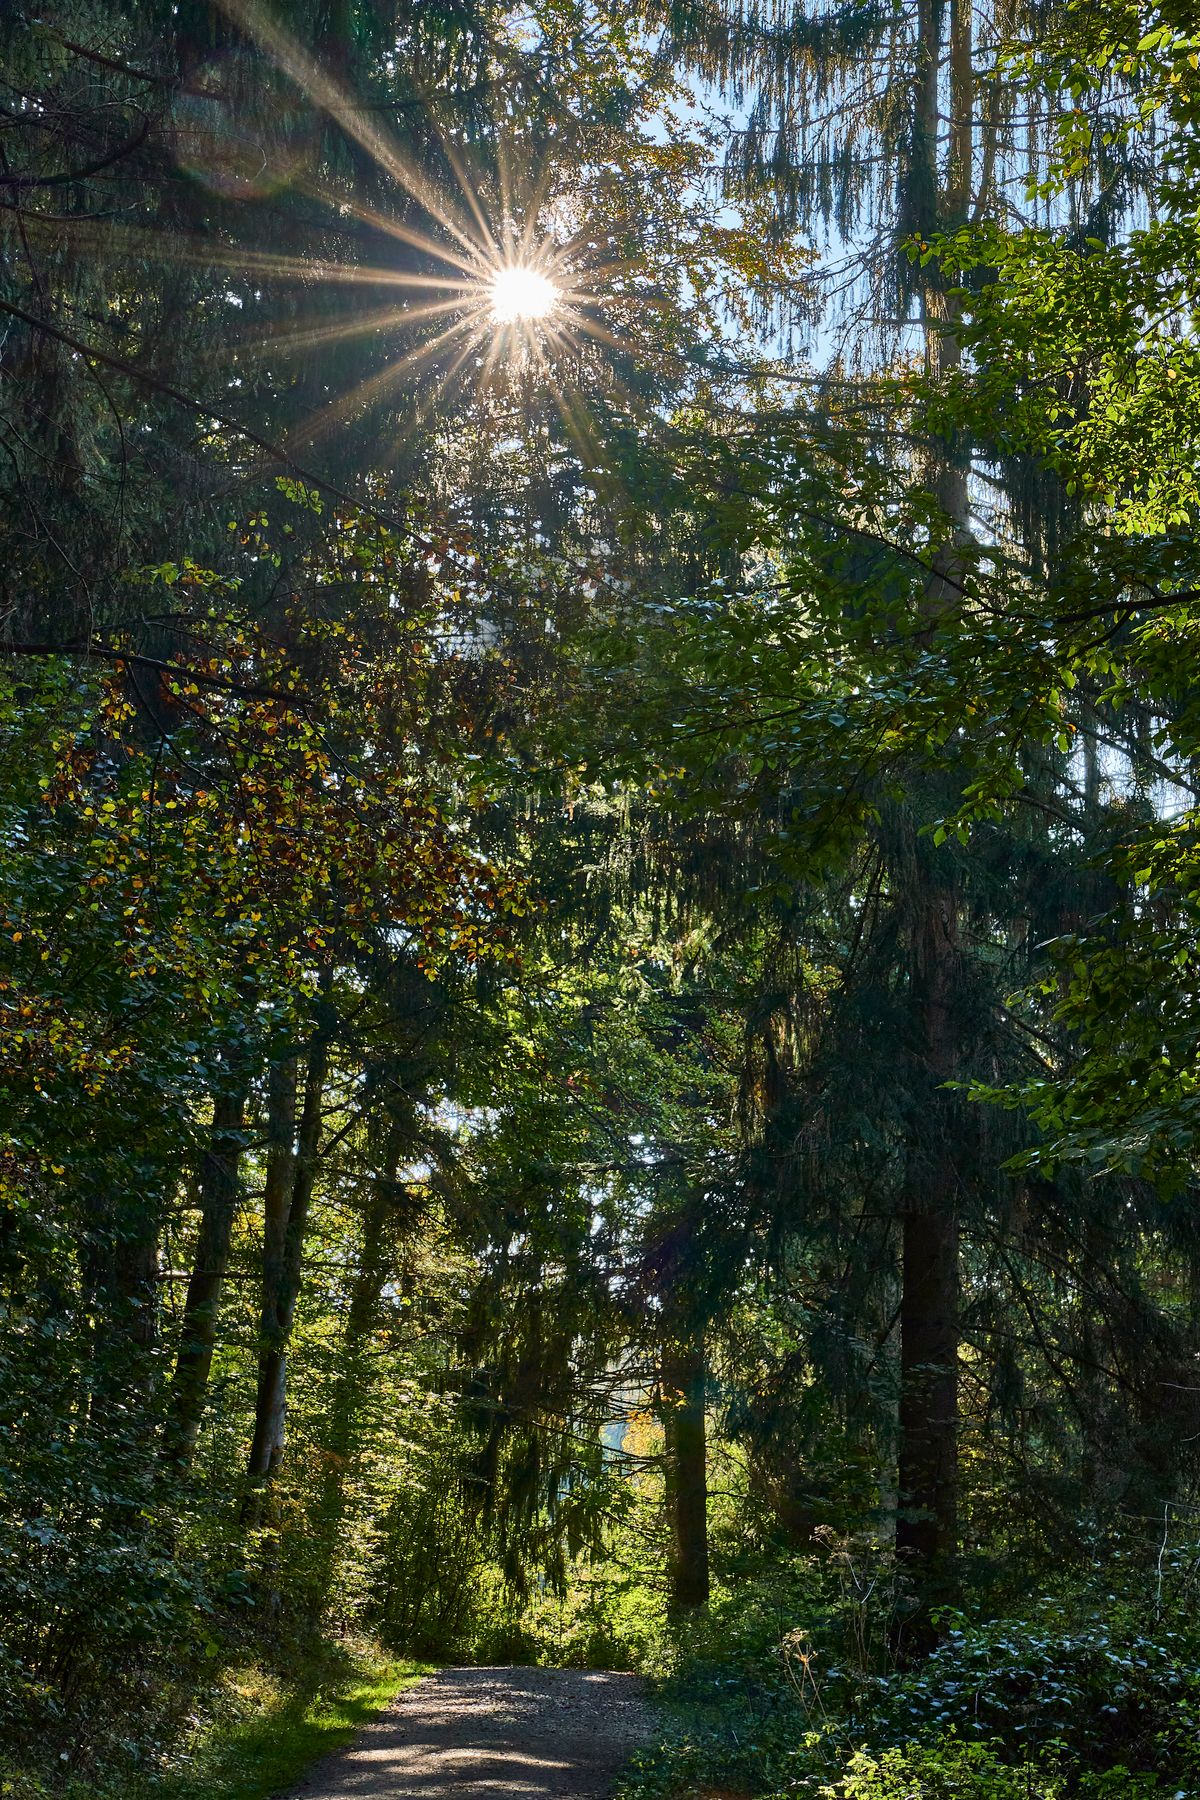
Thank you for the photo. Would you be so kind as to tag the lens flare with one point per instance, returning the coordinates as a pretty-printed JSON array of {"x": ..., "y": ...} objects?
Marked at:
[
  {"x": 510, "y": 287},
  {"x": 519, "y": 293}
]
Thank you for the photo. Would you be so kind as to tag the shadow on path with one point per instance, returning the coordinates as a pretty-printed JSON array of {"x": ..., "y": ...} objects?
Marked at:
[{"x": 492, "y": 1734}]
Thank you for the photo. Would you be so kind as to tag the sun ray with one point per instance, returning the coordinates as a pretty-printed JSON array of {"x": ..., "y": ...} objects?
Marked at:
[
  {"x": 467, "y": 187},
  {"x": 472, "y": 343},
  {"x": 504, "y": 176},
  {"x": 578, "y": 427},
  {"x": 326, "y": 93},
  {"x": 474, "y": 340},
  {"x": 562, "y": 331},
  {"x": 470, "y": 265},
  {"x": 491, "y": 358},
  {"x": 131, "y": 241},
  {"x": 416, "y": 416},
  {"x": 533, "y": 211},
  {"x": 594, "y": 329},
  {"x": 294, "y": 340},
  {"x": 371, "y": 390}
]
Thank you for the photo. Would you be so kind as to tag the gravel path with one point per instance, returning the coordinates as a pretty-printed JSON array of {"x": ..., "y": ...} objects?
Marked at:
[{"x": 492, "y": 1734}]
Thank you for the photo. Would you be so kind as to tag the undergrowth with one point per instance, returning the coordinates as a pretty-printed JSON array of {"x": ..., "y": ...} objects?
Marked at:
[
  {"x": 1089, "y": 1690},
  {"x": 253, "y": 1733}
]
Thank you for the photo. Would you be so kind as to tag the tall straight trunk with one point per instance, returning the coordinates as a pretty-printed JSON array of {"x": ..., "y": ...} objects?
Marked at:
[
  {"x": 687, "y": 1471},
  {"x": 343, "y": 1438},
  {"x": 922, "y": 175},
  {"x": 927, "y": 1520},
  {"x": 282, "y": 1269},
  {"x": 267, "y": 1442},
  {"x": 218, "y": 1188},
  {"x": 962, "y": 112},
  {"x": 927, "y": 1451}
]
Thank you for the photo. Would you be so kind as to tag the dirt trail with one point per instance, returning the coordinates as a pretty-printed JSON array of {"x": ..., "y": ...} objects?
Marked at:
[{"x": 492, "y": 1734}]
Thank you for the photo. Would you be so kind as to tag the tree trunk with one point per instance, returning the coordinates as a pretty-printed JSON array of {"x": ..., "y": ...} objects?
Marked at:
[
  {"x": 962, "y": 113},
  {"x": 927, "y": 1456},
  {"x": 267, "y": 1443},
  {"x": 927, "y": 1520},
  {"x": 288, "y": 1207},
  {"x": 218, "y": 1190},
  {"x": 342, "y": 1442},
  {"x": 687, "y": 1472}
]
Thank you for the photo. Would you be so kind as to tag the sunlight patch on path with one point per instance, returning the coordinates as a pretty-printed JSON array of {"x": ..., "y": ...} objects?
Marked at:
[{"x": 493, "y": 1734}]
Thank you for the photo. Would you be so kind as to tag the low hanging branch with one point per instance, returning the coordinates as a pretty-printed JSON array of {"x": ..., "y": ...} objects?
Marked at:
[
  {"x": 128, "y": 658},
  {"x": 276, "y": 453},
  {"x": 466, "y": 565},
  {"x": 92, "y": 168}
]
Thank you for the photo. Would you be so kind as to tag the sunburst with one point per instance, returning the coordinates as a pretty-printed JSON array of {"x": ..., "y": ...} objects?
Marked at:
[
  {"x": 485, "y": 287},
  {"x": 519, "y": 293},
  {"x": 503, "y": 289}
]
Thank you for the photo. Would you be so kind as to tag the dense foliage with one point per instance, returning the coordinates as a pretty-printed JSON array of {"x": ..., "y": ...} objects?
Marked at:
[{"x": 599, "y": 901}]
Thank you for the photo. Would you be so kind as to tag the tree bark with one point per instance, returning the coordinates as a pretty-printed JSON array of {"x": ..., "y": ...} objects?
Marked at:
[
  {"x": 218, "y": 1190},
  {"x": 962, "y": 112},
  {"x": 267, "y": 1443},
  {"x": 687, "y": 1472},
  {"x": 927, "y": 1454},
  {"x": 288, "y": 1206},
  {"x": 927, "y": 1520}
]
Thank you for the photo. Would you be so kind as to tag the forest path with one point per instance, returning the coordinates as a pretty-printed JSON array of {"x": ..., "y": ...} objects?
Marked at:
[{"x": 492, "y": 1734}]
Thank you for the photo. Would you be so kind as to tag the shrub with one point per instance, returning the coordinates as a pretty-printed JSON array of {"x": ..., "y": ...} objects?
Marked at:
[
  {"x": 947, "y": 1769},
  {"x": 1091, "y": 1684}
]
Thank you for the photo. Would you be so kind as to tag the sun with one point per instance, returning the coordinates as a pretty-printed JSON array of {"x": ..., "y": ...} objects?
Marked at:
[
  {"x": 518, "y": 293},
  {"x": 511, "y": 276}
]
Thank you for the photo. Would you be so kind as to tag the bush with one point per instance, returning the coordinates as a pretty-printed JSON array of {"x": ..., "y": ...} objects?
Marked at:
[
  {"x": 1087, "y": 1696},
  {"x": 1092, "y": 1685},
  {"x": 948, "y": 1769}
]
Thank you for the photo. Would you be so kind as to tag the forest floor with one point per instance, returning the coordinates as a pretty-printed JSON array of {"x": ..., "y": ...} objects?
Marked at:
[{"x": 492, "y": 1734}]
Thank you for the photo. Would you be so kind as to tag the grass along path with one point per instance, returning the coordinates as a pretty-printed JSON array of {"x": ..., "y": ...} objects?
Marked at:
[
  {"x": 272, "y": 1748},
  {"x": 266, "y": 1731}
]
